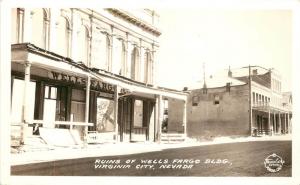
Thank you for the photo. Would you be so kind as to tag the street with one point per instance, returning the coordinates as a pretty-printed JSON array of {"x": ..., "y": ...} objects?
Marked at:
[{"x": 231, "y": 159}]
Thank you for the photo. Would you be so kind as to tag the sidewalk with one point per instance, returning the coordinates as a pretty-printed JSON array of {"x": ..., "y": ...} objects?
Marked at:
[{"x": 110, "y": 149}]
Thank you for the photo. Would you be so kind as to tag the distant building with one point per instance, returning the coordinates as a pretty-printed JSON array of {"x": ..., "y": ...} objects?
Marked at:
[
  {"x": 90, "y": 70},
  {"x": 228, "y": 105}
]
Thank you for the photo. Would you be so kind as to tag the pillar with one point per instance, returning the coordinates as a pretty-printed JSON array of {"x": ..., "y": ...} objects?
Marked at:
[
  {"x": 116, "y": 105},
  {"x": 269, "y": 122},
  {"x": 25, "y": 120},
  {"x": 160, "y": 116},
  {"x": 156, "y": 118},
  {"x": 285, "y": 125},
  {"x": 289, "y": 123},
  {"x": 184, "y": 118},
  {"x": 274, "y": 121},
  {"x": 21, "y": 25},
  {"x": 279, "y": 121},
  {"x": 87, "y": 105}
]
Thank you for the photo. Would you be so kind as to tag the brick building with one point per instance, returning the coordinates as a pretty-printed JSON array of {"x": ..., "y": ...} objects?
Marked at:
[
  {"x": 88, "y": 71},
  {"x": 228, "y": 105}
]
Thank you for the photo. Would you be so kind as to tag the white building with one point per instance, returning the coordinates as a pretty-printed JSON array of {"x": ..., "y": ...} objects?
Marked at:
[{"x": 91, "y": 70}]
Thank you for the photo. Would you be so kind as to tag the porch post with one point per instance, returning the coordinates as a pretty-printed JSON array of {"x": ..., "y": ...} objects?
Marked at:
[
  {"x": 288, "y": 120},
  {"x": 285, "y": 125},
  {"x": 116, "y": 105},
  {"x": 274, "y": 121},
  {"x": 156, "y": 119},
  {"x": 269, "y": 122},
  {"x": 184, "y": 118},
  {"x": 87, "y": 102},
  {"x": 25, "y": 120},
  {"x": 279, "y": 120},
  {"x": 160, "y": 116}
]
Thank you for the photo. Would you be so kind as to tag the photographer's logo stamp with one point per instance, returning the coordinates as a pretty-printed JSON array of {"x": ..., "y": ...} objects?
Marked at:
[{"x": 273, "y": 163}]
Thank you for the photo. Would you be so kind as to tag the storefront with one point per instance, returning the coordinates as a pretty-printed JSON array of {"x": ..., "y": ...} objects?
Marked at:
[{"x": 50, "y": 92}]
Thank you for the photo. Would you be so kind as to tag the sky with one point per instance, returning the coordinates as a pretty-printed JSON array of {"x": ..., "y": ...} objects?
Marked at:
[{"x": 222, "y": 38}]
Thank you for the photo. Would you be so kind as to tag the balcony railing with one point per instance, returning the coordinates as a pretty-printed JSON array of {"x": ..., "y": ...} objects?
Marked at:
[{"x": 261, "y": 104}]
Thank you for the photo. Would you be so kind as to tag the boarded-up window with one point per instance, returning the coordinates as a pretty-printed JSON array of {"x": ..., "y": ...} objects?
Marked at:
[{"x": 105, "y": 115}]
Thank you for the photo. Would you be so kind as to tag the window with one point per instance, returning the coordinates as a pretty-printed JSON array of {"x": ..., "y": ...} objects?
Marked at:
[
  {"x": 83, "y": 44},
  {"x": 195, "y": 100},
  {"x": 63, "y": 36},
  {"x": 100, "y": 50},
  {"x": 117, "y": 59},
  {"x": 134, "y": 63},
  {"x": 50, "y": 92},
  {"x": 217, "y": 100},
  {"x": 253, "y": 97},
  {"x": 148, "y": 67},
  {"x": 39, "y": 28}
]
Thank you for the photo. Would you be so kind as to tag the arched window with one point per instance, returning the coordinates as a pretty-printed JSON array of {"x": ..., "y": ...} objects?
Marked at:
[
  {"x": 39, "y": 32},
  {"x": 123, "y": 59},
  {"x": 118, "y": 63},
  {"x": 108, "y": 53},
  {"x": 83, "y": 45},
  {"x": 63, "y": 36},
  {"x": 148, "y": 67},
  {"x": 134, "y": 63}
]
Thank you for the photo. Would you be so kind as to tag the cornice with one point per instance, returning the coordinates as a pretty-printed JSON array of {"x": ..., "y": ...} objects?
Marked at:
[{"x": 134, "y": 20}]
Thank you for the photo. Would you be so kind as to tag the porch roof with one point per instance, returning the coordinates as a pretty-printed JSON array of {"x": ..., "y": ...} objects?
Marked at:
[{"x": 27, "y": 52}]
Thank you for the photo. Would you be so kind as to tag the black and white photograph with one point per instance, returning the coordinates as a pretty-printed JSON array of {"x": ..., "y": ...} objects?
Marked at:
[{"x": 97, "y": 91}]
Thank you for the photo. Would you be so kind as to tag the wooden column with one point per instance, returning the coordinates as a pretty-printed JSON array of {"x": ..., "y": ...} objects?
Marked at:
[
  {"x": 25, "y": 120},
  {"x": 269, "y": 122},
  {"x": 285, "y": 124},
  {"x": 156, "y": 118},
  {"x": 184, "y": 118},
  {"x": 275, "y": 126},
  {"x": 116, "y": 105},
  {"x": 160, "y": 116},
  {"x": 289, "y": 123},
  {"x": 279, "y": 121},
  {"x": 87, "y": 106}
]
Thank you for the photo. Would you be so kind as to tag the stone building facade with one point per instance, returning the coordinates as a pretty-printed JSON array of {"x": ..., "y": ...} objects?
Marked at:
[
  {"x": 88, "y": 70},
  {"x": 228, "y": 105}
]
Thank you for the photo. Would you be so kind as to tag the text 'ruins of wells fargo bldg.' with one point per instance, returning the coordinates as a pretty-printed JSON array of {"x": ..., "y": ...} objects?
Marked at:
[
  {"x": 90, "y": 74},
  {"x": 222, "y": 106}
]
